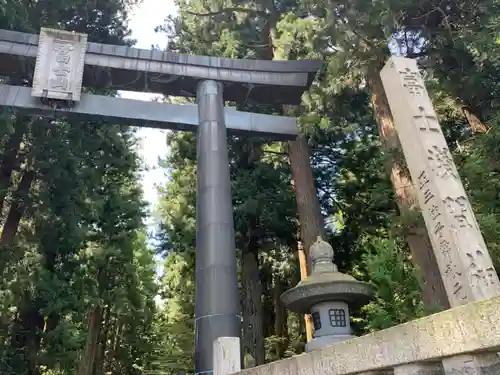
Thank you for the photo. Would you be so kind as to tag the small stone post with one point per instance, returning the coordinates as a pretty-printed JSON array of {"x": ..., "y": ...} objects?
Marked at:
[
  {"x": 227, "y": 359},
  {"x": 461, "y": 253}
]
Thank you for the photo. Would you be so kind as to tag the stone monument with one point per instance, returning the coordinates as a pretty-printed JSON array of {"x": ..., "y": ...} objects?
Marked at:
[
  {"x": 463, "y": 259},
  {"x": 326, "y": 294}
]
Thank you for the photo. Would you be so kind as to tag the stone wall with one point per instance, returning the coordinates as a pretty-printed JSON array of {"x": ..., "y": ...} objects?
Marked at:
[{"x": 411, "y": 348}]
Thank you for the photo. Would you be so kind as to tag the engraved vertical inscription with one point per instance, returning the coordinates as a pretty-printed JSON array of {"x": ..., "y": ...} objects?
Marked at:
[
  {"x": 412, "y": 82},
  {"x": 451, "y": 272},
  {"x": 423, "y": 184},
  {"x": 458, "y": 208},
  {"x": 61, "y": 71},
  {"x": 432, "y": 208},
  {"x": 426, "y": 122},
  {"x": 478, "y": 271},
  {"x": 453, "y": 275},
  {"x": 434, "y": 211},
  {"x": 442, "y": 162},
  {"x": 445, "y": 248}
]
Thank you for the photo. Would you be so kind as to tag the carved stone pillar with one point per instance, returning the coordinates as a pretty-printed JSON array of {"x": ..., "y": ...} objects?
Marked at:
[{"x": 461, "y": 253}]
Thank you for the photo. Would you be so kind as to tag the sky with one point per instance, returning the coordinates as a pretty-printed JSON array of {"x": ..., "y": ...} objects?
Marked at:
[{"x": 143, "y": 20}]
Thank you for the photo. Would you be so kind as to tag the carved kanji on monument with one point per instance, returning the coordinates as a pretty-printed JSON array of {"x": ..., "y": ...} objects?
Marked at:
[
  {"x": 59, "y": 65},
  {"x": 461, "y": 253}
]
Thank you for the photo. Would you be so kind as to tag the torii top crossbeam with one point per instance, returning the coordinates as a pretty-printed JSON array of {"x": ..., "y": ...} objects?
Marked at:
[{"x": 169, "y": 73}]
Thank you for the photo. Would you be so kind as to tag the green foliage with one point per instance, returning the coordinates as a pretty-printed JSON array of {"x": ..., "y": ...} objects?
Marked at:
[
  {"x": 174, "y": 325},
  {"x": 479, "y": 168},
  {"x": 78, "y": 243},
  {"x": 389, "y": 269},
  {"x": 79, "y": 246}
]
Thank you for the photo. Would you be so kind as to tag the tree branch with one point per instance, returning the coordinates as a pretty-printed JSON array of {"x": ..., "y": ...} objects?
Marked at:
[
  {"x": 229, "y": 10},
  {"x": 275, "y": 153}
]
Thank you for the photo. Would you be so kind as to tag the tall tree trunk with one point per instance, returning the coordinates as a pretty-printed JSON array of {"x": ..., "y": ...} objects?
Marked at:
[
  {"x": 16, "y": 209},
  {"x": 25, "y": 337},
  {"x": 279, "y": 311},
  {"x": 101, "y": 348},
  {"x": 310, "y": 219},
  {"x": 423, "y": 257},
  {"x": 280, "y": 316},
  {"x": 253, "y": 336},
  {"x": 116, "y": 331},
  {"x": 86, "y": 366},
  {"x": 9, "y": 160},
  {"x": 253, "y": 352}
]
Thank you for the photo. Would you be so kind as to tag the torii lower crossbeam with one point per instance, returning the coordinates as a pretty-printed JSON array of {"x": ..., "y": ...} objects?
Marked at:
[{"x": 148, "y": 114}]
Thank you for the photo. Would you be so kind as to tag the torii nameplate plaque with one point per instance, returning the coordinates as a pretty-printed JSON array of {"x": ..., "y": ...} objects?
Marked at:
[{"x": 59, "y": 65}]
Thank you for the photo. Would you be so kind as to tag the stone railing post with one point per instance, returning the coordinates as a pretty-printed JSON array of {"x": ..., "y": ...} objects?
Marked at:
[{"x": 227, "y": 359}]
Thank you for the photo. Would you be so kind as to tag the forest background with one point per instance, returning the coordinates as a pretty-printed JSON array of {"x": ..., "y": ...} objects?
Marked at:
[{"x": 79, "y": 287}]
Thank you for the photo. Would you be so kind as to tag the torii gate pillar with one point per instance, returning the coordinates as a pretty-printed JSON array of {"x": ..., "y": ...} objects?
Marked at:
[{"x": 217, "y": 299}]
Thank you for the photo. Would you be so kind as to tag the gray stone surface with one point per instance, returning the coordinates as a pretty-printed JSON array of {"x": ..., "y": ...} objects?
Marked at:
[
  {"x": 419, "y": 369},
  {"x": 169, "y": 73},
  {"x": 151, "y": 114},
  {"x": 325, "y": 283},
  {"x": 59, "y": 65},
  {"x": 306, "y": 294},
  {"x": 461, "y": 253},
  {"x": 472, "y": 364},
  {"x": 465, "y": 329},
  {"x": 227, "y": 358}
]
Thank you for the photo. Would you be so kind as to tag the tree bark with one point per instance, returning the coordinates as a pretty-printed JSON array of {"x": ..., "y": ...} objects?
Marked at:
[
  {"x": 253, "y": 337},
  {"x": 101, "y": 347},
  {"x": 9, "y": 159},
  {"x": 280, "y": 314},
  {"x": 279, "y": 311},
  {"x": 475, "y": 124},
  {"x": 310, "y": 219},
  {"x": 25, "y": 337},
  {"x": 423, "y": 257},
  {"x": 86, "y": 366},
  {"x": 16, "y": 209}
]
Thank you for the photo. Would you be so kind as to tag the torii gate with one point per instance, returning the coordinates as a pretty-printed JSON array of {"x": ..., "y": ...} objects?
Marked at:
[{"x": 60, "y": 62}]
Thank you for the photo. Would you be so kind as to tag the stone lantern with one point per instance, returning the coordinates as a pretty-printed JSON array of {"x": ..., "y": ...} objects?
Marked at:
[{"x": 327, "y": 294}]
